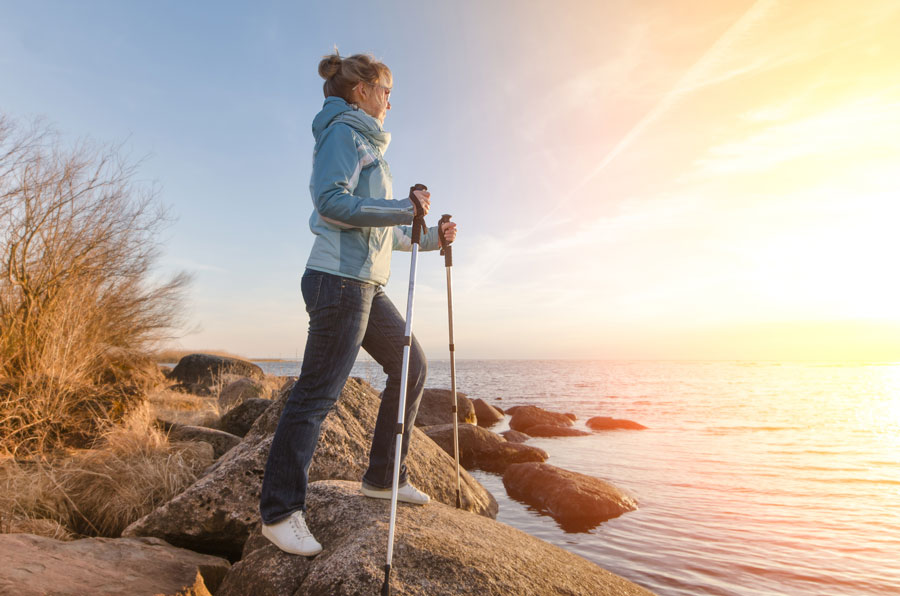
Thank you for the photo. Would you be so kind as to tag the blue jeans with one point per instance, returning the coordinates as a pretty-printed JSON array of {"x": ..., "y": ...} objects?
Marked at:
[{"x": 344, "y": 315}]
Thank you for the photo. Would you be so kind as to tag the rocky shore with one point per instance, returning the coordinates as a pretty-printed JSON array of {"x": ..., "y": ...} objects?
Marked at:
[{"x": 211, "y": 529}]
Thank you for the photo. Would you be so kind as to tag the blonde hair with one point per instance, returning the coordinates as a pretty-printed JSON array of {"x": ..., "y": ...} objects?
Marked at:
[{"x": 342, "y": 74}]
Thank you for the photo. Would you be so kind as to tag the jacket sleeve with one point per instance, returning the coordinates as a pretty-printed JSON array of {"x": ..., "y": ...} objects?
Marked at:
[
  {"x": 335, "y": 174},
  {"x": 403, "y": 238}
]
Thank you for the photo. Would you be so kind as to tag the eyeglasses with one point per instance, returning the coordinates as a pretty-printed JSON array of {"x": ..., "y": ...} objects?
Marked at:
[{"x": 387, "y": 90}]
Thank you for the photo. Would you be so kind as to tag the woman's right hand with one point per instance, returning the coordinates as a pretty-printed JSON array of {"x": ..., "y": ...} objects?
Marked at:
[{"x": 424, "y": 200}]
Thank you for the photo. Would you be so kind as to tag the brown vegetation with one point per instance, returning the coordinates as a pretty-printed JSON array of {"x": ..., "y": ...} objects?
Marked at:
[
  {"x": 78, "y": 308},
  {"x": 97, "y": 492}
]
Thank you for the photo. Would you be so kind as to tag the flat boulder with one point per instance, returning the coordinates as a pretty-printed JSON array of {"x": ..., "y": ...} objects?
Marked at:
[
  {"x": 240, "y": 418},
  {"x": 551, "y": 430},
  {"x": 35, "y": 566},
  {"x": 438, "y": 551},
  {"x": 216, "y": 513},
  {"x": 221, "y": 441},
  {"x": 486, "y": 414},
  {"x": 577, "y": 501},
  {"x": 606, "y": 423},
  {"x": 436, "y": 407},
  {"x": 239, "y": 390},
  {"x": 206, "y": 369},
  {"x": 524, "y": 417},
  {"x": 480, "y": 448}
]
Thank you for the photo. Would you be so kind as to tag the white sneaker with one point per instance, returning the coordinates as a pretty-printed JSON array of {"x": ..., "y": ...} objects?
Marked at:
[
  {"x": 292, "y": 536},
  {"x": 406, "y": 493}
]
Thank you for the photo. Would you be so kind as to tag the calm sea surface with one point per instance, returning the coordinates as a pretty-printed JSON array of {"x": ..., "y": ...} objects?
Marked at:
[{"x": 753, "y": 478}]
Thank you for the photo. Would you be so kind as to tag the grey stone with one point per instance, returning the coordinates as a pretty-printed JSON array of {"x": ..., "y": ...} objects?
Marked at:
[
  {"x": 240, "y": 418},
  {"x": 578, "y": 502},
  {"x": 206, "y": 369},
  {"x": 480, "y": 448},
  {"x": 514, "y": 436},
  {"x": 486, "y": 414},
  {"x": 438, "y": 551},
  {"x": 524, "y": 417},
  {"x": 36, "y": 566},
  {"x": 436, "y": 407},
  {"x": 238, "y": 391},
  {"x": 605, "y": 423}
]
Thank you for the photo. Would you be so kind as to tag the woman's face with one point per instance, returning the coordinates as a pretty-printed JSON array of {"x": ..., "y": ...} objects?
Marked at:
[{"x": 374, "y": 99}]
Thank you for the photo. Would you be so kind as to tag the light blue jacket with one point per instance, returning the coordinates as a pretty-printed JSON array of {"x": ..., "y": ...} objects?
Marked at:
[{"x": 356, "y": 220}]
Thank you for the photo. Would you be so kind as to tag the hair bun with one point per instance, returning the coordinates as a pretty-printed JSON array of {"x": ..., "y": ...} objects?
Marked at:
[{"x": 330, "y": 66}]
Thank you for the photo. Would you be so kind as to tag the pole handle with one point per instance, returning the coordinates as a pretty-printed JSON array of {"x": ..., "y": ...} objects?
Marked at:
[
  {"x": 446, "y": 249},
  {"x": 418, "y": 224}
]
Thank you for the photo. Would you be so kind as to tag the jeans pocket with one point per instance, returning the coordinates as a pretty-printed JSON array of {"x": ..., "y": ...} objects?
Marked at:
[{"x": 320, "y": 290}]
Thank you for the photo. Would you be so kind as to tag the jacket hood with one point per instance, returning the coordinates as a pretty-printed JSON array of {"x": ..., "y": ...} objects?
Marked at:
[{"x": 336, "y": 110}]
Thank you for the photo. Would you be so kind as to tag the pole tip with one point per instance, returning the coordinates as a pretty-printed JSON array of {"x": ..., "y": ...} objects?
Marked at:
[{"x": 386, "y": 587}]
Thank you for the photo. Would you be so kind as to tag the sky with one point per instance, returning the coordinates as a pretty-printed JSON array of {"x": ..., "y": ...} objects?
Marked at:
[{"x": 631, "y": 179}]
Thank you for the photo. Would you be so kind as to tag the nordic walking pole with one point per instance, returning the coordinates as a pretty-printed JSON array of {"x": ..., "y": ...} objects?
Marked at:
[
  {"x": 417, "y": 226},
  {"x": 447, "y": 251}
]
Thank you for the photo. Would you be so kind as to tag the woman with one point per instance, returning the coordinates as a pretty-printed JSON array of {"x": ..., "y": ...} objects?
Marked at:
[{"x": 357, "y": 223}]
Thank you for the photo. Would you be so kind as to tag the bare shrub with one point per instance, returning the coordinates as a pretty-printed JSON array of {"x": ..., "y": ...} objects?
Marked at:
[{"x": 78, "y": 306}]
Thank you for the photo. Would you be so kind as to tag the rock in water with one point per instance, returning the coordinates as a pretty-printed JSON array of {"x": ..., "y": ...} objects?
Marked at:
[
  {"x": 205, "y": 369},
  {"x": 34, "y": 566},
  {"x": 482, "y": 449},
  {"x": 578, "y": 502},
  {"x": 215, "y": 514},
  {"x": 605, "y": 423},
  {"x": 514, "y": 436},
  {"x": 524, "y": 417},
  {"x": 438, "y": 551},
  {"x": 486, "y": 414},
  {"x": 436, "y": 407},
  {"x": 240, "y": 418}
]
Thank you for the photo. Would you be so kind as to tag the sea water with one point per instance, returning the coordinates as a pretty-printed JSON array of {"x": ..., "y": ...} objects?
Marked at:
[{"x": 753, "y": 478}]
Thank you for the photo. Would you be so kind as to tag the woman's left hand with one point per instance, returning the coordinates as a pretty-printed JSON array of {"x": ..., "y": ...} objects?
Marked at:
[{"x": 449, "y": 230}]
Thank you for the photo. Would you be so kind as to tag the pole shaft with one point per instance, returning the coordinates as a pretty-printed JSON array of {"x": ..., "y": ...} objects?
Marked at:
[
  {"x": 453, "y": 385},
  {"x": 401, "y": 406}
]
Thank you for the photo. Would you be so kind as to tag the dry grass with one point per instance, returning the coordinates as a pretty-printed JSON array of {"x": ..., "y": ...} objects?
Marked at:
[
  {"x": 98, "y": 492},
  {"x": 184, "y": 408}
]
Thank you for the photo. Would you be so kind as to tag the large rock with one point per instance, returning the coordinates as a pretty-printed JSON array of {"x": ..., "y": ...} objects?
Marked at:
[
  {"x": 438, "y": 551},
  {"x": 238, "y": 391},
  {"x": 524, "y": 417},
  {"x": 240, "y": 418},
  {"x": 480, "y": 448},
  {"x": 36, "y": 566},
  {"x": 221, "y": 441},
  {"x": 578, "y": 502},
  {"x": 605, "y": 423},
  {"x": 551, "y": 430},
  {"x": 215, "y": 514},
  {"x": 436, "y": 407},
  {"x": 206, "y": 369},
  {"x": 486, "y": 414}
]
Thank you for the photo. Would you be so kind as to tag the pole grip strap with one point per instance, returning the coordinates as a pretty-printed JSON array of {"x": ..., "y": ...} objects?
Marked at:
[
  {"x": 446, "y": 249},
  {"x": 418, "y": 225}
]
